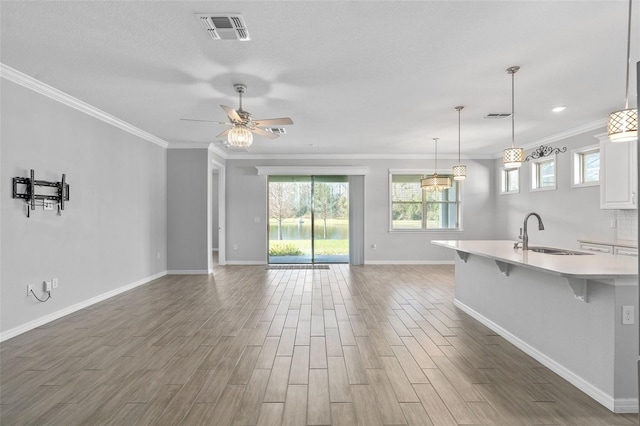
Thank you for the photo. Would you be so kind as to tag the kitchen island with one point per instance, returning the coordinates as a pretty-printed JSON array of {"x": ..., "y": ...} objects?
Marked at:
[{"x": 563, "y": 310}]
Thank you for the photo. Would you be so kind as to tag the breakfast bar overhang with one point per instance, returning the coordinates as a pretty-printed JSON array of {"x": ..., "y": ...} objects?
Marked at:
[{"x": 563, "y": 310}]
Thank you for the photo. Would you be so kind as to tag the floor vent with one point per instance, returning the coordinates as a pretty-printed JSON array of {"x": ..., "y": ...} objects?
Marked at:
[
  {"x": 298, "y": 267},
  {"x": 224, "y": 26}
]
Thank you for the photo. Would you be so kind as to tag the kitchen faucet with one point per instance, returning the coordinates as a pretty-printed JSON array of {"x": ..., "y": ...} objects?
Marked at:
[{"x": 525, "y": 235}]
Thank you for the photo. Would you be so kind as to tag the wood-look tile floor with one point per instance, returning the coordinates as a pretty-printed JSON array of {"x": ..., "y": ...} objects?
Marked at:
[{"x": 364, "y": 345}]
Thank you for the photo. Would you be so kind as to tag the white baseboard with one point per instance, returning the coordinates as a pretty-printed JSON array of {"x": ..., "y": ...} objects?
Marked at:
[
  {"x": 188, "y": 272},
  {"x": 620, "y": 405},
  {"x": 246, "y": 262},
  {"x": 73, "y": 308},
  {"x": 409, "y": 262},
  {"x": 625, "y": 405}
]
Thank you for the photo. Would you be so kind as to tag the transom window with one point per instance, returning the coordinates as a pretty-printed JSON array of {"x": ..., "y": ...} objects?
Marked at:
[
  {"x": 413, "y": 208},
  {"x": 586, "y": 166},
  {"x": 543, "y": 173}
]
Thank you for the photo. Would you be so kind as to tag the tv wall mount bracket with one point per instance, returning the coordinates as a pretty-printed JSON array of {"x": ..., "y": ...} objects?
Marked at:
[{"x": 25, "y": 189}]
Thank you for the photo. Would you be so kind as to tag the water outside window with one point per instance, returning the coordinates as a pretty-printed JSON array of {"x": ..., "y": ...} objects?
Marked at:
[{"x": 308, "y": 219}]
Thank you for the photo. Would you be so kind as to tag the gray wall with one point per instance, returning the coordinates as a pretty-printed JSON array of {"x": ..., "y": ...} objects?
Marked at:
[
  {"x": 247, "y": 200},
  {"x": 214, "y": 210},
  {"x": 112, "y": 232},
  {"x": 568, "y": 213},
  {"x": 188, "y": 212}
]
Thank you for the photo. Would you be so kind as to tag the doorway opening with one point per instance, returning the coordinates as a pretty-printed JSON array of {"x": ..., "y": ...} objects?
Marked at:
[{"x": 308, "y": 219}]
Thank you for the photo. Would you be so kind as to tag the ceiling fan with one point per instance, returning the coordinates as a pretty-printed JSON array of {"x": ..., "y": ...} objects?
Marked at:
[{"x": 243, "y": 126}]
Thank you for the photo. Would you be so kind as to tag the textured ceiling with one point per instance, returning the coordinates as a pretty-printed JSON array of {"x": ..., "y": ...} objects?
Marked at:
[{"x": 357, "y": 77}]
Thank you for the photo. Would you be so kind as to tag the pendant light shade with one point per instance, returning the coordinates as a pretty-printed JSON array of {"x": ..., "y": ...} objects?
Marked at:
[
  {"x": 435, "y": 182},
  {"x": 459, "y": 170},
  {"x": 240, "y": 137},
  {"x": 623, "y": 124},
  {"x": 513, "y": 157}
]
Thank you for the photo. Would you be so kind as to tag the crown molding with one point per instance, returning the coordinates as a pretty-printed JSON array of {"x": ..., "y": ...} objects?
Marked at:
[
  {"x": 589, "y": 127},
  {"x": 312, "y": 170},
  {"x": 234, "y": 156},
  {"x": 189, "y": 145},
  {"x": 44, "y": 89}
]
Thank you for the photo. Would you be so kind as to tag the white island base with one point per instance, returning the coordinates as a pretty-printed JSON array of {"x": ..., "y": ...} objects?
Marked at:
[{"x": 576, "y": 331}]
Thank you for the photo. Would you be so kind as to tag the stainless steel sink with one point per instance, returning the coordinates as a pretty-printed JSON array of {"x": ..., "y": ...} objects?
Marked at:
[{"x": 557, "y": 251}]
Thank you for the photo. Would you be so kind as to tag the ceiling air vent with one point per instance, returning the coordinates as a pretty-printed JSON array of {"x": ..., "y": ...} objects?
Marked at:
[
  {"x": 497, "y": 115},
  {"x": 224, "y": 26},
  {"x": 276, "y": 130}
]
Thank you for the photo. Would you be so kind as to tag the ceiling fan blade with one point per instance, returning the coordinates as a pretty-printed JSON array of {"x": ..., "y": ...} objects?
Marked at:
[
  {"x": 205, "y": 121},
  {"x": 273, "y": 121},
  {"x": 223, "y": 134},
  {"x": 232, "y": 113},
  {"x": 264, "y": 133}
]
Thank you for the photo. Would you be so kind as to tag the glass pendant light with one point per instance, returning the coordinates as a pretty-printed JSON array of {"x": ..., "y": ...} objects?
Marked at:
[
  {"x": 513, "y": 157},
  {"x": 623, "y": 124},
  {"x": 240, "y": 137},
  {"x": 435, "y": 182},
  {"x": 459, "y": 170}
]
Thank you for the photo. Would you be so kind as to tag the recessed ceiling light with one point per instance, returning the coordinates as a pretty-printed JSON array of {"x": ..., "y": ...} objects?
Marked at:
[{"x": 559, "y": 108}]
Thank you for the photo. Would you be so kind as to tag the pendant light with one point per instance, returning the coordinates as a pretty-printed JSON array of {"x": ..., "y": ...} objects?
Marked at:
[
  {"x": 623, "y": 124},
  {"x": 435, "y": 182},
  {"x": 459, "y": 170},
  {"x": 513, "y": 157}
]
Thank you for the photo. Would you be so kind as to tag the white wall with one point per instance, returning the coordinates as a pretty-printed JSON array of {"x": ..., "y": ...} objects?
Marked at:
[
  {"x": 568, "y": 213},
  {"x": 247, "y": 215},
  {"x": 112, "y": 232}
]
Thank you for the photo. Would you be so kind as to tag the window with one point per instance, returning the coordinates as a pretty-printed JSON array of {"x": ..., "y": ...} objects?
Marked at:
[
  {"x": 586, "y": 166},
  {"x": 413, "y": 208},
  {"x": 543, "y": 174},
  {"x": 510, "y": 181}
]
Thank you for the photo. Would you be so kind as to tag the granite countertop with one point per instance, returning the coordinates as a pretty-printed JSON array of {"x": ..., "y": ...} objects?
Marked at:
[{"x": 589, "y": 266}]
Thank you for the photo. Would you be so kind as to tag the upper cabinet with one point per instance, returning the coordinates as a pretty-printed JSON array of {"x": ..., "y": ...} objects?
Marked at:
[{"x": 618, "y": 174}]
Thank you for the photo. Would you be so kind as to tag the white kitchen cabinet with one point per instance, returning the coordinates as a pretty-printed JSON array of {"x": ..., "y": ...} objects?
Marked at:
[
  {"x": 597, "y": 248},
  {"x": 622, "y": 250},
  {"x": 625, "y": 251},
  {"x": 618, "y": 174}
]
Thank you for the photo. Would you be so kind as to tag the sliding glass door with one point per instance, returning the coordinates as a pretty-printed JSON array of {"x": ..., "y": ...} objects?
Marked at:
[{"x": 308, "y": 219}]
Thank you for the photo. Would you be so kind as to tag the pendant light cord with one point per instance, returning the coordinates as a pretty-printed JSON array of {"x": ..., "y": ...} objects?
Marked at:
[
  {"x": 435, "y": 172},
  {"x": 626, "y": 93},
  {"x": 459, "y": 109},
  {"x": 513, "y": 110}
]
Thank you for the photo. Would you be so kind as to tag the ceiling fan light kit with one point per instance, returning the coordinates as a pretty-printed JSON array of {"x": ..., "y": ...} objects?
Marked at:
[
  {"x": 513, "y": 157},
  {"x": 240, "y": 137},
  {"x": 623, "y": 124},
  {"x": 459, "y": 170}
]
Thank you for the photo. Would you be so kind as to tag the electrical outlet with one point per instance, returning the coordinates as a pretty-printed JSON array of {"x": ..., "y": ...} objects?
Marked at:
[
  {"x": 235, "y": 247},
  {"x": 48, "y": 205},
  {"x": 29, "y": 289},
  {"x": 54, "y": 283},
  {"x": 628, "y": 315},
  {"x": 46, "y": 285}
]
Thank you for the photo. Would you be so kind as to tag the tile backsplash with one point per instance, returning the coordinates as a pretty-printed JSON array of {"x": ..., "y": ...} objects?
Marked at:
[{"x": 627, "y": 224}]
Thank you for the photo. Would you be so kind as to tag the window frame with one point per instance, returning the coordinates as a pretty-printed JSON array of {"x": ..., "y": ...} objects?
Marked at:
[
  {"x": 535, "y": 171},
  {"x": 504, "y": 185},
  {"x": 424, "y": 203},
  {"x": 577, "y": 166}
]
